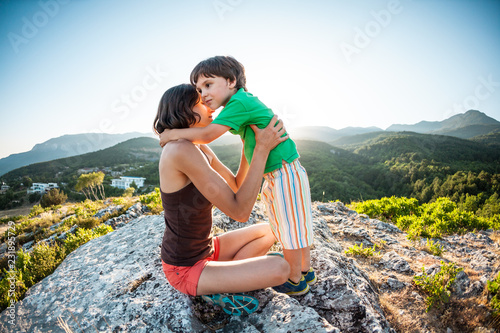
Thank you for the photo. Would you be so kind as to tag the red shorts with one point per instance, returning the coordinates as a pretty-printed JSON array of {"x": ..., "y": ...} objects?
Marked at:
[{"x": 185, "y": 278}]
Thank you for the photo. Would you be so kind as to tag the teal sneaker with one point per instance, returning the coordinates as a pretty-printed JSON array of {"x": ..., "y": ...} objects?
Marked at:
[
  {"x": 293, "y": 289},
  {"x": 234, "y": 304},
  {"x": 310, "y": 276},
  {"x": 278, "y": 254}
]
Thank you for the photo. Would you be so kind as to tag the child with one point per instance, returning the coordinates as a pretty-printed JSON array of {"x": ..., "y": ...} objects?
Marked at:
[{"x": 221, "y": 82}]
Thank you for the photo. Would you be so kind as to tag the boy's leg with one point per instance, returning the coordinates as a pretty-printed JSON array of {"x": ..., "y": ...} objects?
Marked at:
[
  {"x": 306, "y": 259},
  {"x": 294, "y": 259}
]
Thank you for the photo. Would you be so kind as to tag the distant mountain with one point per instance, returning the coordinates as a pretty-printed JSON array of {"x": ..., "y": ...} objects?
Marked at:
[
  {"x": 472, "y": 131},
  {"x": 314, "y": 133},
  {"x": 328, "y": 134},
  {"x": 433, "y": 147},
  {"x": 65, "y": 146},
  {"x": 383, "y": 146},
  {"x": 136, "y": 151},
  {"x": 452, "y": 126}
]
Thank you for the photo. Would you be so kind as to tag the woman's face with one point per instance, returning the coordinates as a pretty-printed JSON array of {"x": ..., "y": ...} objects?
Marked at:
[{"x": 205, "y": 112}]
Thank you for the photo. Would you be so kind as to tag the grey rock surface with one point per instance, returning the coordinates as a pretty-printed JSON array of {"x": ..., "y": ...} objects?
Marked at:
[{"x": 115, "y": 283}]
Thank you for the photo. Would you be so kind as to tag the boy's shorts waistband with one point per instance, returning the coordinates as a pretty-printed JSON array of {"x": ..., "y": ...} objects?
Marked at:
[{"x": 282, "y": 164}]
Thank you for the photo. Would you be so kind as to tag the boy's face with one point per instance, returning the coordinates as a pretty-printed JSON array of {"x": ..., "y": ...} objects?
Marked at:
[{"x": 215, "y": 91}]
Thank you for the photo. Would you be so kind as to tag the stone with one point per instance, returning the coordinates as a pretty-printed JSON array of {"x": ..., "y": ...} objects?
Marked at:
[
  {"x": 392, "y": 261},
  {"x": 116, "y": 283}
]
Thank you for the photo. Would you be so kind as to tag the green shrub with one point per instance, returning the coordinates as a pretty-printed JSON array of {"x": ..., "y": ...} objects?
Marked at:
[
  {"x": 44, "y": 260},
  {"x": 11, "y": 218},
  {"x": 495, "y": 222},
  {"x": 129, "y": 192},
  {"x": 431, "y": 220},
  {"x": 88, "y": 208},
  {"x": 359, "y": 250},
  {"x": 53, "y": 198},
  {"x": 34, "y": 197},
  {"x": 12, "y": 278},
  {"x": 437, "y": 286},
  {"x": 434, "y": 248},
  {"x": 36, "y": 210},
  {"x": 88, "y": 222},
  {"x": 119, "y": 200},
  {"x": 493, "y": 289},
  {"x": 152, "y": 201},
  {"x": 82, "y": 236},
  {"x": 387, "y": 208},
  {"x": 29, "y": 269}
]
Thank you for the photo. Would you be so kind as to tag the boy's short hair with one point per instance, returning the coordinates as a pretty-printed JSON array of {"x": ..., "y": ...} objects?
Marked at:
[{"x": 222, "y": 66}]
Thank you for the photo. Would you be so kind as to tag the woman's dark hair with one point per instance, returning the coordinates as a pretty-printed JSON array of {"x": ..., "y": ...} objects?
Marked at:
[
  {"x": 222, "y": 66},
  {"x": 176, "y": 108}
]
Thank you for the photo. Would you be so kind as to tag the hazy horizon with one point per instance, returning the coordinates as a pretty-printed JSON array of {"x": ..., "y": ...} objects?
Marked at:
[
  {"x": 73, "y": 67},
  {"x": 226, "y": 134}
]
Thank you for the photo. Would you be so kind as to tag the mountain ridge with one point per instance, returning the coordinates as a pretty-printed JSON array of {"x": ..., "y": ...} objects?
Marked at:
[
  {"x": 468, "y": 125},
  {"x": 471, "y": 117},
  {"x": 64, "y": 146}
]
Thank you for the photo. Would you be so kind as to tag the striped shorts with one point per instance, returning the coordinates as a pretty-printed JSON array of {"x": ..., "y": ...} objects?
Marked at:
[{"x": 287, "y": 198}]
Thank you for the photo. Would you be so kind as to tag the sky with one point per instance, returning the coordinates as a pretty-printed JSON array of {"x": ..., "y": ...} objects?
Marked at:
[{"x": 80, "y": 66}]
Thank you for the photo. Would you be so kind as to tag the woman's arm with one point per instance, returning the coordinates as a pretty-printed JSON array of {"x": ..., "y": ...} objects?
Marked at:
[{"x": 237, "y": 205}]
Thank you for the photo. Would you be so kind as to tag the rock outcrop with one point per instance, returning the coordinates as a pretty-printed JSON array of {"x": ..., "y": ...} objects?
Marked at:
[{"x": 115, "y": 283}]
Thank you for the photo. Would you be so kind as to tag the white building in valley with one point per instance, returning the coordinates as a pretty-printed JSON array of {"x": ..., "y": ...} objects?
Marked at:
[
  {"x": 42, "y": 187},
  {"x": 124, "y": 182}
]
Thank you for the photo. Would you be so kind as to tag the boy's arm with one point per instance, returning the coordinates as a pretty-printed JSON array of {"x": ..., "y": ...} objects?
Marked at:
[
  {"x": 233, "y": 181},
  {"x": 197, "y": 135},
  {"x": 243, "y": 169}
]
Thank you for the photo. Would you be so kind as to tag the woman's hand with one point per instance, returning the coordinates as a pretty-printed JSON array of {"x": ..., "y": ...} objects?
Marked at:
[{"x": 271, "y": 136}]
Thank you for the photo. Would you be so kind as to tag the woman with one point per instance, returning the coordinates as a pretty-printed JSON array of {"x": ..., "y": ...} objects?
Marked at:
[{"x": 192, "y": 179}]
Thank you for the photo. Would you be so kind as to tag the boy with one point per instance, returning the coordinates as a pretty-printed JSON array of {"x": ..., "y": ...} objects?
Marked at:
[{"x": 221, "y": 81}]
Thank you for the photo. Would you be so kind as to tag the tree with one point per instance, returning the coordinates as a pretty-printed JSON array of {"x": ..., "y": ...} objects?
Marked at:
[
  {"x": 27, "y": 182},
  {"x": 91, "y": 184},
  {"x": 52, "y": 198},
  {"x": 34, "y": 197},
  {"x": 128, "y": 192}
]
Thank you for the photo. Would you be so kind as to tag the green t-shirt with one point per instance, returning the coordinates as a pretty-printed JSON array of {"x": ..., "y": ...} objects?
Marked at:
[{"x": 244, "y": 109}]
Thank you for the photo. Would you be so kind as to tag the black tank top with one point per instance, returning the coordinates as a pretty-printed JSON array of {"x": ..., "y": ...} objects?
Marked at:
[{"x": 188, "y": 221}]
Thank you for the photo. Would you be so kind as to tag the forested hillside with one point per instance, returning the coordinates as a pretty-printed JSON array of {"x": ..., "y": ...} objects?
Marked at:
[{"x": 361, "y": 167}]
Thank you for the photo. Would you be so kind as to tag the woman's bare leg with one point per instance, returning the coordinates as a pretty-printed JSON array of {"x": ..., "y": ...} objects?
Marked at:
[
  {"x": 243, "y": 275},
  {"x": 242, "y": 265},
  {"x": 246, "y": 243}
]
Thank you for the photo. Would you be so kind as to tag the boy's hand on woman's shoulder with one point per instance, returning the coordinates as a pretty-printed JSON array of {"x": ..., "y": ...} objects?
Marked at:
[{"x": 164, "y": 137}]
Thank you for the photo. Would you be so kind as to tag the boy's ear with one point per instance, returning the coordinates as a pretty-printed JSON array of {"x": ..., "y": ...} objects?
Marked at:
[{"x": 231, "y": 84}]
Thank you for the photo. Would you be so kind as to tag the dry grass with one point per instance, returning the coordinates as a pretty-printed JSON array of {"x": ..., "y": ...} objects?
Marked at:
[
  {"x": 64, "y": 325},
  {"x": 406, "y": 313},
  {"x": 495, "y": 236},
  {"x": 24, "y": 210},
  {"x": 403, "y": 310}
]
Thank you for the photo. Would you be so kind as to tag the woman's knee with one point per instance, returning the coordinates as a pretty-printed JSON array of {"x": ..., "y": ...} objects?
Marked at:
[
  {"x": 264, "y": 229},
  {"x": 280, "y": 269}
]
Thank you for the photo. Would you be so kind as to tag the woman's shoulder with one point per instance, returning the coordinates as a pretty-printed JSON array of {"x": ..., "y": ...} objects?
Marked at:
[{"x": 179, "y": 148}]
